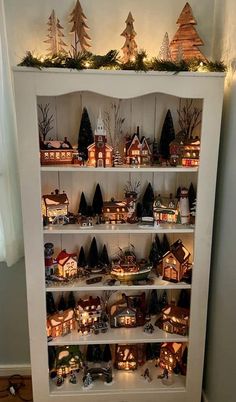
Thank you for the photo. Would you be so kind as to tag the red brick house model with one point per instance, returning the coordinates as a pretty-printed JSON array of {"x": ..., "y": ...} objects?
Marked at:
[
  {"x": 88, "y": 312},
  {"x": 67, "y": 264},
  {"x": 137, "y": 151},
  {"x": 174, "y": 320},
  {"x": 60, "y": 324},
  {"x": 170, "y": 355},
  {"x": 185, "y": 152},
  {"x": 175, "y": 262},
  {"x": 100, "y": 153}
]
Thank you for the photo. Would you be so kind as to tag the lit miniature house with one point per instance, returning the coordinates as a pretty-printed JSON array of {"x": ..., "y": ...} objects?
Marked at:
[
  {"x": 56, "y": 152},
  {"x": 88, "y": 312},
  {"x": 68, "y": 359},
  {"x": 170, "y": 355},
  {"x": 100, "y": 153},
  {"x": 67, "y": 264},
  {"x": 185, "y": 152},
  {"x": 165, "y": 209},
  {"x": 174, "y": 320},
  {"x": 129, "y": 312},
  {"x": 115, "y": 211},
  {"x": 175, "y": 262},
  {"x": 138, "y": 151},
  {"x": 55, "y": 205},
  {"x": 126, "y": 357},
  {"x": 60, "y": 324}
]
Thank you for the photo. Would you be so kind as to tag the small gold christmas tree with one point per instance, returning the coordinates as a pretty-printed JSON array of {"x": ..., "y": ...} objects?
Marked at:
[
  {"x": 186, "y": 38},
  {"x": 164, "y": 53},
  {"x": 130, "y": 47},
  {"x": 79, "y": 29},
  {"x": 55, "y": 36}
]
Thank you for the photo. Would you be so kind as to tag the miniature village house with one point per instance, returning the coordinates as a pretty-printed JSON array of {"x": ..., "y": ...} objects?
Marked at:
[
  {"x": 69, "y": 360},
  {"x": 175, "y": 262},
  {"x": 129, "y": 312},
  {"x": 165, "y": 209},
  {"x": 61, "y": 323},
  {"x": 88, "y": 312},
  {"x": 174, "y": 320},
  {"x": 100, "y": 153},
  {"x": 66, "y": 264},
  {"x": 55, "y": 205},
  {"x": 137, "y": 151},
  {"x": 185, "y": 152},
  {"x": 126, "y": 357},
  {"x": 170, "y": 355},
  {"x": 56, "y": 152},
  {"x": 115, "y": 211}
]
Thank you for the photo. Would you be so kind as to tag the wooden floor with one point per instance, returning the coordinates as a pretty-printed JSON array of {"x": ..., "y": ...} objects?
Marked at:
[{"x": 25, "y": 391}]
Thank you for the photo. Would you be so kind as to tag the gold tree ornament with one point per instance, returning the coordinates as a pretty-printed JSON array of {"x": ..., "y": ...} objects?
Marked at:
[
  {"x": 55, "y": 35},
  {"x": 165, "y": 53},
  {"x": 186, "y": 37},
  {"x": 79, "y": 28},
  {"x": 130, "y": 46}
]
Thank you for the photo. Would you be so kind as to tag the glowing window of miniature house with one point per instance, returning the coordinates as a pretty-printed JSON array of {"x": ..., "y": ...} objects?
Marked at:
[
  {"x": 92, "y": 154},
  {"x": 100, "y": 154}
]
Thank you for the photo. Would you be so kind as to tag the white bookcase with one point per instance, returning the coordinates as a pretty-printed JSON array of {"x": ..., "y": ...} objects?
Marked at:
[{"x": 145, "y": 97}]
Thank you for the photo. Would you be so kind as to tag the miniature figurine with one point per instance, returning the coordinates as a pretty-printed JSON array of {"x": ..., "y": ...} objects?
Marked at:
[
  {"x": 73, "y": 378},
  {"x": 59, "y": 380},
  {"x": 87, "y": 380},
  {"x": 146, "y": 375},
  {"x": 148, "y": 328}
]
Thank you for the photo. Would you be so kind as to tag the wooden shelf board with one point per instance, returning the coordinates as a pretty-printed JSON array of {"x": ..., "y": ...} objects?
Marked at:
[
  {"x": 124, "y": 169},
  {"x": 123, "y": 381},
  {"x": 122, "y": 228}
]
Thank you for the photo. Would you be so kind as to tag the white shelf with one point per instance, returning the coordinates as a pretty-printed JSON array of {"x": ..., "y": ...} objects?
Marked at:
[
  {"x": 81, "y": 285},
  {"x": 118, "y": 335},
  {"x": 124, "y": 169},
  {"x": 122, "y": 228},
  {"x": 126, "y": 382}
]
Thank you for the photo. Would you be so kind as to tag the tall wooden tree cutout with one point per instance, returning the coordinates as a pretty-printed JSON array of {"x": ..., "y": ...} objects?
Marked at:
[
  {"x": 130, "y": 46},
  {"x": 79, "y": 28},
  {"x": 55, "y": 35},
  {"x": 186, "y": 37}
]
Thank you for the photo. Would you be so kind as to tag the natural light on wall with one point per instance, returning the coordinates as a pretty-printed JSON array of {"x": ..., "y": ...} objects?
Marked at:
[{"x": 11, "y": 240}]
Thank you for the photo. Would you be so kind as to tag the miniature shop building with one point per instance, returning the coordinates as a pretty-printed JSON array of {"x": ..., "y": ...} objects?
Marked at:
[
  {"x": 165, "y": 209},
  {"x": 57, "y": 152},
  {"x": 60, "y": 324},
  {"x": 55, "y": 205},
  {"x": 115, "y": 211},
  {"x": 175, "y": 262},
  {"x": 88, "y": 312},
  {"x": 170, "y": 355},
  {"x": 66, "y": 264},
  {"x": 138, "y": 151},
  {"x": 175, "y": 320},
  {"x": 129, "y": 315},
  {"x": 100, "y": 153},
  {"x": 126, "y": 357},
  {"x": 185, "y": 152}
]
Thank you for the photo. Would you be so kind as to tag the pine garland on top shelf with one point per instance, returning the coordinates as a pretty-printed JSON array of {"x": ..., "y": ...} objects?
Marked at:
[{"x": 111, "y": 61}]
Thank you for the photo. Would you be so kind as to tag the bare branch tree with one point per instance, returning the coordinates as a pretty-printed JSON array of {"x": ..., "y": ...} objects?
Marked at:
[
  {"x": 45, "y": 122},
  {"x": 189, "y": 117}
]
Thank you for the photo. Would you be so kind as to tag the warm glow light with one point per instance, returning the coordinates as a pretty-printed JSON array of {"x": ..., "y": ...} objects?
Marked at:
[{"x": 87, "y": 64}]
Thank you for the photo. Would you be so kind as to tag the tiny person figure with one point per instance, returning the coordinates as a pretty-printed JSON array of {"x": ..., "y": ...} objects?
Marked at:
[
  {"x": 165, "y": 373},
  {"x": 73, "y": 378}
]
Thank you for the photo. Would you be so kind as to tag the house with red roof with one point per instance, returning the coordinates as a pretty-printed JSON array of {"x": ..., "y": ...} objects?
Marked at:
[{"x": 67, "y": 264}]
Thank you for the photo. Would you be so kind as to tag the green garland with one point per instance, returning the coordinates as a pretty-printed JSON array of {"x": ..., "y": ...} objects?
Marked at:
[{"x": 110, "y": 61}]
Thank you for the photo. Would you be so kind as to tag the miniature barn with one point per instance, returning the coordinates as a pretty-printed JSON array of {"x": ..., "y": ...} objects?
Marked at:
[
  {"x": 88, "y": 312},
  {"x": 61, "y": 323},
  {"x": 138, "y": 151},
  {"x": 67, "y": 264},
  {"x": 174, "y": 320},
  {"x": 55, "y": 205},
  {"x": 100, "y": 153},
  {"x": 170, "y": 355},
  {"x": 175, "y": 262},
  {"x": 126, "y": 357}
]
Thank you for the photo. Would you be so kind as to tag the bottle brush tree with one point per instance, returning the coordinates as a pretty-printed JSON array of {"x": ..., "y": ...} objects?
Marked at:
[
  {"x": 93, "y": 254},
  {"x": 85, "y": 137},
  {"x": 167, "y": 135},
  {"x": 97, "y": 203}
]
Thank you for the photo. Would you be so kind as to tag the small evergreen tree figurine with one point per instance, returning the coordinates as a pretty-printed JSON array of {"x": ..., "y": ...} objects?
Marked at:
[
  {"x": 153, "y": 307},
  {"x": 130, "y": 46},
  {"x": 62, "y": 304},
  {"x": 97, "y": 203},
  {"x": 148, "y": 199},
  {"x": 184, "y": 299},
  {"x": 164, "y": 53},
  {"x": 55, "y": 35},
  {"x": 50, "y": 304},
  {"x": 155, "y": 252},
  {"x": 93, "y": 254},
  {"x": 83, "y": 206},
  {"x": 165, "y": 245},
  {"x": 187, "y": 37},
  {"x": 167, "y": 135},
  {"x": 85, "y": 137},
  {"x": 163, "y": 301},
  {"x": 106, "y": 355},
  {"x": 79, "y": 29},
  {"x": 82, "y": 259},
  {"x": 71, "y": 301},
  {"x": 191, "y": 196},
  {"x": 117, "y": 159},
  {"x": 104, "y": 259}
]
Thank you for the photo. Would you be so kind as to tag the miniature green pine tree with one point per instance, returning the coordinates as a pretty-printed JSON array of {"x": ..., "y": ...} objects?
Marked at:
[
  {"x": 167, "y": 135},
  {"x": 51, "y": 308},
  {"x": 82, "y": 259},
  {"x": 85, "y": 135},
  {"x": 71, "y": 301},
  {"x": 83, "y": 207},
  {"x": 104, "y": 259},
  {"x": 148, "y": 199},
  {"x": 62, "y": 304},
  {"x": 93, "y": 254},
  {"x": 97, "y": 203},
  {"x": 106, "y": 355}
]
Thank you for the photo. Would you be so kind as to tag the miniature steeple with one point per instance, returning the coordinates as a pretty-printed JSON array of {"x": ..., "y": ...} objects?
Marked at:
[{"x": 100, "y": 130}]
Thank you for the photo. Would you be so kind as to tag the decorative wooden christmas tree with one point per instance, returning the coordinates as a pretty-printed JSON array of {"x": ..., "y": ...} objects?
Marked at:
[
  {"x": 186, "y": 37},
  {"x": 130, "y": 46},
  {"x": 165, "y": 53},
  {"x": 55, "y": 35},
  {"x": 79, "y": 29}
]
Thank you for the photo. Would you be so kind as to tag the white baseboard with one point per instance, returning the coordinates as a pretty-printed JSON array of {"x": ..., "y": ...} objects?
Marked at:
[
  {"x": 7, "y": 370},
  {"x": 204, "y": 398}
]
